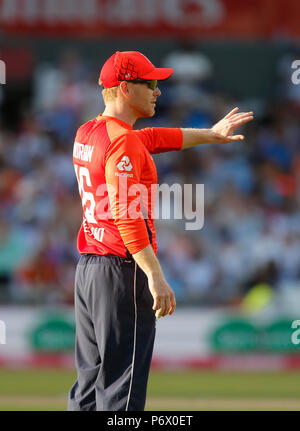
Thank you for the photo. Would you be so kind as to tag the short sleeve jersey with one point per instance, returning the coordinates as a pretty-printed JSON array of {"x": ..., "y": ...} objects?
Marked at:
[{"x": 117, "y": 181}]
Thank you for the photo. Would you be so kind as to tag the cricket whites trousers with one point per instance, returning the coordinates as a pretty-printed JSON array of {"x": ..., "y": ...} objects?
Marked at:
[{"x": 115, "y": 331}]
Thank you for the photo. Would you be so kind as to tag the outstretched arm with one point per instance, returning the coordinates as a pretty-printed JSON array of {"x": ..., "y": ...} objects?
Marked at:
[{"x": 221, "y": 133}]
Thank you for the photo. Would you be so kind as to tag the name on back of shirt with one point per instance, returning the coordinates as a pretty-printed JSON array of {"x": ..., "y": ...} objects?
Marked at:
[{"x": 83, "y": 152}]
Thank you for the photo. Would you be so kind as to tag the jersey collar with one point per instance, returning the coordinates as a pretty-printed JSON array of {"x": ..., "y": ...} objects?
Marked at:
[{"x": 122, "y": 123}]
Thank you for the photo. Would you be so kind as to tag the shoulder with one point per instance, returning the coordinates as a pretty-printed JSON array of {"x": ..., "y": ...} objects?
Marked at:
[
  {"x": 126, "y": 139},
  {"x": 85, "y": 128},
  {"x": 91, "y": 130},
  {"x": 127, "y": 145}
]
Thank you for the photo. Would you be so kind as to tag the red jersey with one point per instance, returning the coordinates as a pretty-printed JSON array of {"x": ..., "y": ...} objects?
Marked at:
[{"x": 116, "y": 179}]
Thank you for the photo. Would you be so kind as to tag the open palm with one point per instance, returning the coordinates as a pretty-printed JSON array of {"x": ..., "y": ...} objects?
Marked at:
[{"x": 225, "y": 128}]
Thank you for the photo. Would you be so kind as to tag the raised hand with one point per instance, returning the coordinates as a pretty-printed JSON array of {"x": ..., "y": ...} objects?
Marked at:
[{"x": 223, "y": 130}]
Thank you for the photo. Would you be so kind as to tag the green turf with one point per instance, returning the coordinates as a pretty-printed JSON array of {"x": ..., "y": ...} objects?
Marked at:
[
  {"x": 35, "y": 381},
  {"x": 220, "y": 384},
  {"x": 47, "y": 389}
]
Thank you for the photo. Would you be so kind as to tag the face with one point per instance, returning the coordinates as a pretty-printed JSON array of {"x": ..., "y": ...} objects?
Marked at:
[{"x": 142, "y": 99}]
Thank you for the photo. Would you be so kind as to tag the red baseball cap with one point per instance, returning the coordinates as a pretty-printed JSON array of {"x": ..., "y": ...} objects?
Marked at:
[{"x": 128, "y": 66}]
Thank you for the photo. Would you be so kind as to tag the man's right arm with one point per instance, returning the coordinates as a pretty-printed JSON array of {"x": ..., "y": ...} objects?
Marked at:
[{"x": 163, "y": 295}]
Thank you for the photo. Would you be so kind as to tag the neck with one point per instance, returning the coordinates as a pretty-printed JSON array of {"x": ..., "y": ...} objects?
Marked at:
[{"x": 121, "y": 114}]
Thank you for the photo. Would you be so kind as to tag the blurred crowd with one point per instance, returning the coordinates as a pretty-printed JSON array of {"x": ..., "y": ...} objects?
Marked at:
[{"x": 251, "y": 232}]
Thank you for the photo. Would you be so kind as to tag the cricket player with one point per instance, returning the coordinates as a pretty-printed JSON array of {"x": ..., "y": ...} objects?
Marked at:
[{"x": 120, "y": 288}]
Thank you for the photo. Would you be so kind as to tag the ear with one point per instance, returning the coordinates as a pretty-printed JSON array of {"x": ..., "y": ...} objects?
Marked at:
[{"x": 124, "y": 89}]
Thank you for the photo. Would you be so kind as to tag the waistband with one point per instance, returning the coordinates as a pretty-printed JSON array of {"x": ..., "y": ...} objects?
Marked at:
[{"x": 107, "y": 259}]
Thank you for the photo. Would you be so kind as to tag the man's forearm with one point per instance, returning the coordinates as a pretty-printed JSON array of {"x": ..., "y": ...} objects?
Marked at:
[
  {"x": 164, "y": 301},
  {"x": 193, "y": 137},
  {"x": 148, "y": 262}
]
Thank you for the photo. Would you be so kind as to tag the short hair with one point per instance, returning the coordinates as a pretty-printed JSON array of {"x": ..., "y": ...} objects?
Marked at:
[{"x": 109, "y": 94}]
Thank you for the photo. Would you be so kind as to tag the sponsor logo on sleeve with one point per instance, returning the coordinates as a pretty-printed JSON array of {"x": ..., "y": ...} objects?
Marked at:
[{"x": 124, "y": 165}]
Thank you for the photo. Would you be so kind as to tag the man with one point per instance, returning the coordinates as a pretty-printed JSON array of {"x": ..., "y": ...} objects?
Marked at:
[{"x": 119, "y": 284}]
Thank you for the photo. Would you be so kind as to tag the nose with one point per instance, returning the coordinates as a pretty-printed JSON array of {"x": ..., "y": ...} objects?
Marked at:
[{"x": 157, "y": 92}]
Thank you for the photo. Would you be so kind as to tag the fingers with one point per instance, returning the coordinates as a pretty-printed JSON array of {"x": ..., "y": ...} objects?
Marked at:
[
  {"x": 231, "y": 112},
  {"x": 226, "y": 139},
  {"x": 156, "y": 304},
  {"x": 160, "y": 305},
  {"x": 235, "y": 138},
  {"x": 225, "y": 128},
  {"x": 241, "y": 115},
  {"x": 241, "y": 121},
  {"x": 159, "y": 314},
  {"x": 164, "y": 306},
  {"x": 173, "y": 304},
  {"x": 163, "y": 310}
]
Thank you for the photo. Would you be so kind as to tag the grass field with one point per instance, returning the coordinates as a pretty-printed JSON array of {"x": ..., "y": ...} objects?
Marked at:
[{"x": 46, "y": 389}]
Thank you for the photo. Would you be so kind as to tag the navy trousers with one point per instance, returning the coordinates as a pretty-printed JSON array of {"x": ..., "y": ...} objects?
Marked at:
[{"x": 115, "y": 331}]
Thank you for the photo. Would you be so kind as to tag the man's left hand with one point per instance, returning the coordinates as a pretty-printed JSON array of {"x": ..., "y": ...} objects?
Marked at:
[{"x": 222, "y": 131}]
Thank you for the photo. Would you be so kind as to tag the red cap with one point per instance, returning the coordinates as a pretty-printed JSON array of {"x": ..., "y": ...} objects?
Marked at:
[{"x": 128, "y": 66}]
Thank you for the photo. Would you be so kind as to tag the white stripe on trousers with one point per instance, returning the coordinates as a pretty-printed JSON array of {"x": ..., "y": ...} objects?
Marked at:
[{"x": 134, "y": 337}]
